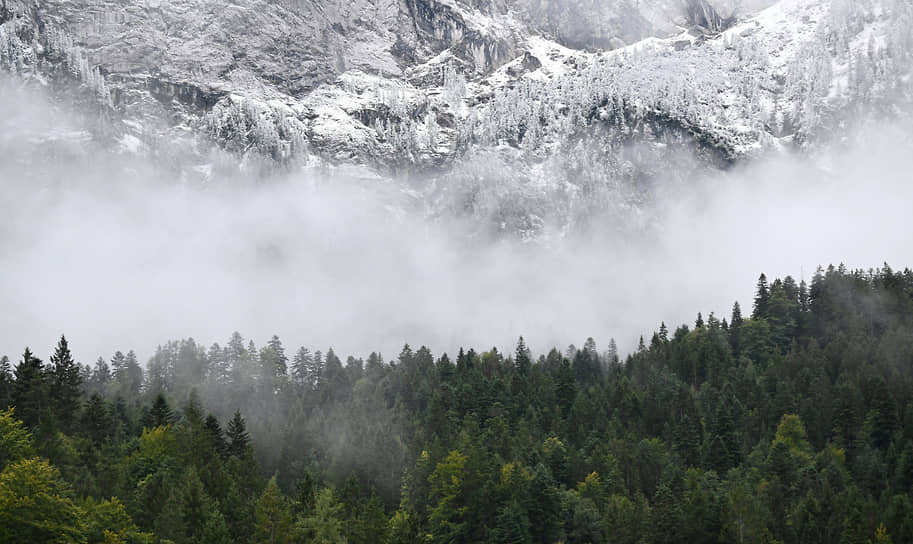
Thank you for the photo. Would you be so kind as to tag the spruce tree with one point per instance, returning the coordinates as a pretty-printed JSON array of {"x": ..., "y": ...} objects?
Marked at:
[
  {"x": 133, "y": 375},
  {"x": 160, "y": 414},
  {"x": 522, "y": 358},
  {"x": 30, "y": 389},
  {"x": 272, "y": 516},
  {"x": 238, "y": 439},
  {"x": 216, "y": 436},
  {"x": 65, "y": 383},
  {"x": 735, "y": 329},
  {"x": 95, "y": 421},
  {"x": 761, "y": 299}
]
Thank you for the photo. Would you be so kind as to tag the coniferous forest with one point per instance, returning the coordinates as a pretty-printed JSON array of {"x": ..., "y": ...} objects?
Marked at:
[{"x": 790, "y": 421}]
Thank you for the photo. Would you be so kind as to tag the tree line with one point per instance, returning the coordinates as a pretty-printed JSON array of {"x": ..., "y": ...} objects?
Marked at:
[{"x": 792, "y": 423}]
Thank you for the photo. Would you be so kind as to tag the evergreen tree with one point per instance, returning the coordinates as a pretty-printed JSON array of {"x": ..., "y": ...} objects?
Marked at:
[
  {"x": 15, "y": 440},
  {"x": 761, "y": 299},
  {"x": 215, "y": 435},
  {"x": 735, "y": 329},
  {"x": 30, "y": 389},
  {"x": 324, "y": 524},
  {"x": 447, "y": 517},
  {"x": 36, "y": 505},
  {"x": 522, "y": 358},
  {"x": 101, "y": 376},
  {"x": 132, "y": 375},
  {"x": 302, "y": 368},
  {"x": 160, "y": 414},
  {"x": 65, "y": 384},
  {"x": 238, "y": 439},
  {"x": 272, "y": 516},
  {"x": 273, "y": 364},
  {"x": 118, "y": 370},
  {"x": 566, "y": 390},
  {"x": 95, "y": 421}
]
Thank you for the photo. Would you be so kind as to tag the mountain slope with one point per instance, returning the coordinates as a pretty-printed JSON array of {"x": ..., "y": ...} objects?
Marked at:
[{"x": 477, "y": 105}]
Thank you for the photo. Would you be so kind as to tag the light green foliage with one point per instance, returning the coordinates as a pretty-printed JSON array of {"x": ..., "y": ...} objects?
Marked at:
[
  {"x": 791, "y": 432},
  {"x": 108, "y": 521},
  {"x": 680, "y": 441},
  {"x": 272, "y": 516},
  {"x": 35, "y": 505},
  {"x": 15, "y": 440},
  {"x": 447, "y": 517},
  {"x": 324, "y": 525}
]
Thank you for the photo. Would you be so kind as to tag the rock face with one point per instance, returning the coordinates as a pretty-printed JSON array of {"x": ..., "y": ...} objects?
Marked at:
[
  {"x": 420, "y": 89},
  {"x": 293, "y": 46}
]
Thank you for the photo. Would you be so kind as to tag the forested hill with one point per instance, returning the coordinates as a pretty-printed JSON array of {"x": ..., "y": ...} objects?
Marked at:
[{"x": 792, "y": 423}]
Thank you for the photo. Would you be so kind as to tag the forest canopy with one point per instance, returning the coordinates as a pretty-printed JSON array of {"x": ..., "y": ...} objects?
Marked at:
[{"x": 789, "y": 422}]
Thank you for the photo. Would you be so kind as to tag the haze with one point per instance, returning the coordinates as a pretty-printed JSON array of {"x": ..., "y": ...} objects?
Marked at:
[{"x": 117, "y": 254}]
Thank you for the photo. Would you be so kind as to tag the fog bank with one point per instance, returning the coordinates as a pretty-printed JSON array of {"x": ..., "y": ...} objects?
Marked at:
[{"x": 109, "y": 250}]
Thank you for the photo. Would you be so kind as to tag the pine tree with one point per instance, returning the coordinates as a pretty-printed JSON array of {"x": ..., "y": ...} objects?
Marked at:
[
  {"x": 95, "y": 422},
  {"x": 762, "y": 297},
  {"x": 565, "y": 388},
  {"x": 735, "y": 329},
  {"x": 301, "y": 367},
  {"x": 160, "y": 414},
  {"x": 118, "y": 372},
  {"x": 132, "y": 375},
  {"x": 101, "y": 376},
  {"x": 65, "y": 382},
  {"x": 448, "y": 516},
  {"x": 324, "y": 525},
  {"x": 612, "y": 354},
  {"x": 216, "y": 436},
  {"x": 238, "y": 439},
  {"x": 522, "y": 358},
  {"x": 272, "y": 516},
  {"x": 30, "y": 389},
  {"x": 195, "y": 505},
  {"x": 273, "y": 364}
]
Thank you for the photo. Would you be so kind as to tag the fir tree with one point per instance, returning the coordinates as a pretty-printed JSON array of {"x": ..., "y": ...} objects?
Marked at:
[
  {"x": 522, "y": 358},
  {"x": 761, "y": 299},
  {"x": 65, "y": 383},
  {"x": 160, "y": 414},
  {"x": 30, "y": 389},
  {"x": 238, "y": 439},
  {"x": 95, "y": 421}
]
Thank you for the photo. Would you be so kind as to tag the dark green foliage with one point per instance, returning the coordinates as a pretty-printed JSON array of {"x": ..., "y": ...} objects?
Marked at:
[
  {"x": 30, "y": 392},
  {"x": 160, "y": 414},
  {"x": 238, "y": 439},
  {"x": 65, "y": 383},
  {"x": 794, "y": 425},
  {"x": 215, "y": 436},
  {"x": 761, "y": 299}
]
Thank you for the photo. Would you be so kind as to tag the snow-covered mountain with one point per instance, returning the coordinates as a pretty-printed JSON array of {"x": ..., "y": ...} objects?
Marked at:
[{"x": 518, "y": 111}]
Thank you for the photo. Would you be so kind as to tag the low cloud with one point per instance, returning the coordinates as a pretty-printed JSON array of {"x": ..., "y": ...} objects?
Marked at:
[{"x": 112, "y": 252}]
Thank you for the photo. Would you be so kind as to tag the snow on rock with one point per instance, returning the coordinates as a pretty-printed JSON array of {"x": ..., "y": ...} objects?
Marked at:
[{"x": 491, "y": 100}]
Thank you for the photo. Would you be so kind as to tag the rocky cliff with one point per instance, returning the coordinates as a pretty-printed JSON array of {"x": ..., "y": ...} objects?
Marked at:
[{"x": 574, "y": 97}]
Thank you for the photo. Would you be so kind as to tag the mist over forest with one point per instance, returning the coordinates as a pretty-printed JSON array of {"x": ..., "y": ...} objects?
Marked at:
[
  {"x": 142, "y": 257},
  {"x": 456, "y": 272}
]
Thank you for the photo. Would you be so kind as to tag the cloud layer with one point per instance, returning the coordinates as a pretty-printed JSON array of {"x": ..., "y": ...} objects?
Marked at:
[{"x": 109, "y": 250}]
